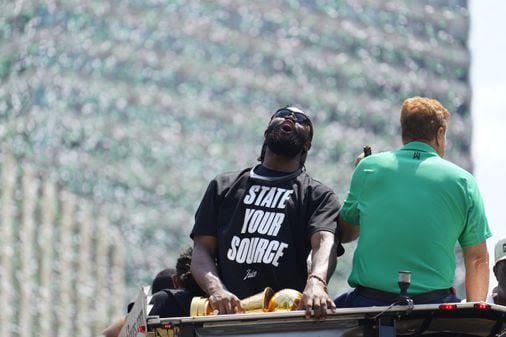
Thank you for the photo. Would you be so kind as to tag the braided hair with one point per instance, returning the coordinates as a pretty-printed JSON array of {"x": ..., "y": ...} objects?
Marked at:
[{"x": 183, "y": 272}]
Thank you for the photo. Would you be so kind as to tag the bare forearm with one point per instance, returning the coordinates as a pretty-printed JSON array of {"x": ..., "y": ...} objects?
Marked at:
[
  {"x": 203, "y": 268},
  {"x": 114, "y": 329},
  {"x": 477, "y": 282},
  {"x": 206, "y": 276},
  {"x": 477, "y": 272},
  {"x": 204, "y": 271},
  {"x": 323, "y": 258}
]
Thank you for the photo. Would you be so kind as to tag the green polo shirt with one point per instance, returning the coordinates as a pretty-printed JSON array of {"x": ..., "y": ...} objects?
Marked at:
[{"x": 412, "y": 207}]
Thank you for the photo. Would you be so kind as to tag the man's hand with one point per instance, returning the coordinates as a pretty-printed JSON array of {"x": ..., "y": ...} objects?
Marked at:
[
  {"x": 359, "y": 158},
  {"x": 315, "y": 298},
  {"x": 224, "y": 302},
  {"x": 367, "y": 152}
]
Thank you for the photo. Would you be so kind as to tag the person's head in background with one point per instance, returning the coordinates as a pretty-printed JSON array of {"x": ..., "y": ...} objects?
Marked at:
[
  {"x": 164, "y": 280},
  {"x": 500, "y": 263},
  {"x": 178, "y": 278},
  {"x": 184, "y": 278}
]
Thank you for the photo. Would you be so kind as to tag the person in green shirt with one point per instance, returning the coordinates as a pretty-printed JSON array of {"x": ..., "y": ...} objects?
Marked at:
[{"x": 411, "y": 207}]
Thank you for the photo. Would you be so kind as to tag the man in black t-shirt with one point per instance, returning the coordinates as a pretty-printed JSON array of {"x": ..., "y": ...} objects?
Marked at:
[
  {"x": 259, "y": 225},
  {"x": 256, "y": 228}
]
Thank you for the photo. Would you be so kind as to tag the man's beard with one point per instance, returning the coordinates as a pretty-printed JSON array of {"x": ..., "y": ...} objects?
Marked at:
[{"x": 288, "y": 145}]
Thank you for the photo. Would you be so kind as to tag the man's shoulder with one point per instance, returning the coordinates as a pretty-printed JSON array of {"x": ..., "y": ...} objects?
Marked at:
[
  {"x": 455, "y": 169},
  {"x": 231, "y": 176},
  {"x": 375, "y": 160},
  {"x": 223, "y": 182},
  {"x": 389, "y": 158},
  {"x": 309, "y": 181}
]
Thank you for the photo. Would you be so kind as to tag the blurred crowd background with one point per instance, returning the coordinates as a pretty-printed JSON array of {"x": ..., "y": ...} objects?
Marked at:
[{"x": 114, "y": 115}]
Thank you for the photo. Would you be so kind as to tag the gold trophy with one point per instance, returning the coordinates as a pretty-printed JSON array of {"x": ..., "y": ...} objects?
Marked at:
[
  {"x": 285, "y": 300},
  {"x": 200, "y": 307},
  {"x": 265, "y": 301},
  {"x": 257, "y": 303}
]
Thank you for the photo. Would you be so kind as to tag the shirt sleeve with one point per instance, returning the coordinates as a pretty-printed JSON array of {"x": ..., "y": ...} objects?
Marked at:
[
  {"x": 207, "y": 213},
  {"x": 350, "y": 211},
  {"x": 324, "y": 208},
  {"x": 476, "y": 229}
]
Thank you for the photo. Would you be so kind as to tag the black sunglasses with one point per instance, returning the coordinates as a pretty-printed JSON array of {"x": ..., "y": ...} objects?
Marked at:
[{"x": 298, "y": 116}]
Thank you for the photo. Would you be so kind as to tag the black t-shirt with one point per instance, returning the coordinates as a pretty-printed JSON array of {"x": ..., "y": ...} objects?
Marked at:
[{"x": 264, "y": 225}]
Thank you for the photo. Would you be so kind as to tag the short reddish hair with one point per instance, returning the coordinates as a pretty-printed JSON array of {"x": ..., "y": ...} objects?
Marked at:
[{"x": 421, "y": 117}]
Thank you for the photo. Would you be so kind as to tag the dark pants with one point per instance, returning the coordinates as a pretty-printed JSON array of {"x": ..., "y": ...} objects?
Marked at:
[{"x": 353, "y": 299}]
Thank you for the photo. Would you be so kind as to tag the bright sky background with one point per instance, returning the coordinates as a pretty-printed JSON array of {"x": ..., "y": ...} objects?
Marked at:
[{"x": 488, "y": 76}]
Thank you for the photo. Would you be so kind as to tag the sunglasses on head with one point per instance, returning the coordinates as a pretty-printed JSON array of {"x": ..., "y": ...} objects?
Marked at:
[{"x": 298, "y": 116}]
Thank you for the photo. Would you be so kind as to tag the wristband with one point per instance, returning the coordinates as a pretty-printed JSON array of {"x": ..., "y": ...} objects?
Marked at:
[{"x": 319, "y": 279}]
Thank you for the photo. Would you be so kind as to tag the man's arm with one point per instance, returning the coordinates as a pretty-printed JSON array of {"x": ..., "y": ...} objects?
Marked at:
[
  {"x": 477, "y": 272},
  {"x": 114, "y": 329},
  {"x": 323, "y": 262},
  {"x": 347, "y": 231},
  {"x": 205, "y": 273}
]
